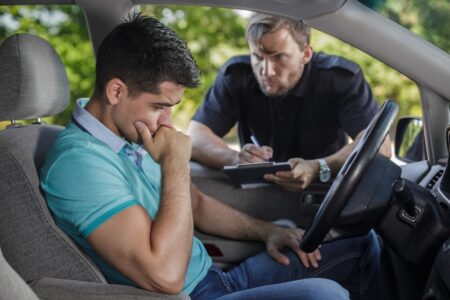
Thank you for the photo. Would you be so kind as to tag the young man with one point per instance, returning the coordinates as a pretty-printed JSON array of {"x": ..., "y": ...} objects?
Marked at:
[
  {"x": 300, "y": 105},
  {"x": 117, "y": 182}
]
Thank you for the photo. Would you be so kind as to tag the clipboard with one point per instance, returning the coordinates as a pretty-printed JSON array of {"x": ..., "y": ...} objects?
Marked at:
[{"x": 252, "y": 175}]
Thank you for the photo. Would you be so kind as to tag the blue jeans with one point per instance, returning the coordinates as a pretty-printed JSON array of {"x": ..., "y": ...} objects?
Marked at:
[{"x": 353, "y": 263}]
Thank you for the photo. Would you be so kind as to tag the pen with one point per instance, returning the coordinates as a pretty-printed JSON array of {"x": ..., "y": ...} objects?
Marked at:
[
  {"x": 257, "y": 144},
  {"x": 255, "y": 141}
]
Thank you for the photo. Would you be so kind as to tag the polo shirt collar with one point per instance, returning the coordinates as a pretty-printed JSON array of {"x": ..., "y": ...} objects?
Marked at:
[{"x": 96, "y": 128}]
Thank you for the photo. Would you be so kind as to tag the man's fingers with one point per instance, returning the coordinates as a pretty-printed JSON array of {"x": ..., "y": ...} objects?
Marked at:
[
  {"x": 313, "y": 260},
  {"x": 249, "y": 158},
  {"x": 304, "y": 258},
  {"x": 261, "y": 153},
  {"x": 278, "y": 256},
  {"x": 285, "y": 174},
  {"x": 268, "y": 151},
  {"x": 292, "y": 186},
  {"x": 308, "y": 259},
  {"x": 272, "y": 178},
  {"x": 144, "y": 132},
  {"x": 282, "y": 180},
  {"x": 317, "y": 254}
]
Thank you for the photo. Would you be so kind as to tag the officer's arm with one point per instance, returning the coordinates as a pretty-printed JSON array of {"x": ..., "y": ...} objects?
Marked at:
[
  {"x": 306, "y": 171},
  {"x": 336, "y": 160},
  {"x": 208, "y": 148}
]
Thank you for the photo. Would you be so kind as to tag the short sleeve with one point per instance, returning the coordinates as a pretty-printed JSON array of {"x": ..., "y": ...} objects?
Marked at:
[
  {"x": 219, "y": 110},
  {"x": 85, "y": 190},
  {"x": 357, "y": 106}
]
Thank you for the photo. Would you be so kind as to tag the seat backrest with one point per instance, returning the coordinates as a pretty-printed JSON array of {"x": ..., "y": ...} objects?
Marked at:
[{"x": 33, "y": 84}]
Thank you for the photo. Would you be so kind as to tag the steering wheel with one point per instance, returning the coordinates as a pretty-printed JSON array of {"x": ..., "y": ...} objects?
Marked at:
[{"x": 349, "y": 176}]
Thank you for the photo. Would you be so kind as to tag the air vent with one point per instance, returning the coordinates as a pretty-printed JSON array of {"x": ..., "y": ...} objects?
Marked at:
[{"x": 435, "y": 179}]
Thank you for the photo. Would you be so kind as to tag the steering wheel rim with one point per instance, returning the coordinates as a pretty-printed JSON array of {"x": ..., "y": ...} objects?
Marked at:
[{"x": 349, "y": 176}]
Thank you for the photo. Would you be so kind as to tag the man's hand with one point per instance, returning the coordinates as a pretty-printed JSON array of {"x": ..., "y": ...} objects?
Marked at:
[
  {"x": 166, "y": 144},
  {"x": 280, "y": 237},
  {"x": 250, "y": 153},
  {"x": 299, "y": 178}
]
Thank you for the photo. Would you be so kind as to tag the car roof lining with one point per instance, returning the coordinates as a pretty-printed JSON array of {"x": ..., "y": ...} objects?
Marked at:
[
  {"x": 36, "y": 2},
  {"x": 299, "y": 8},
  {"x": 303, "y": 9},
  {"x": 372, "y": 33}
]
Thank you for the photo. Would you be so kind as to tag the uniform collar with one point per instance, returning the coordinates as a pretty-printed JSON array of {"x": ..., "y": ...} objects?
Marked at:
[{"x": 96, "y": 128}]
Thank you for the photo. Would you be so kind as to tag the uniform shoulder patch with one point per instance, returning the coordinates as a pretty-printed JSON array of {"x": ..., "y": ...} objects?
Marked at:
[
  {"x": 324, "y": 61},
  {"x": 241, "y": 60}
]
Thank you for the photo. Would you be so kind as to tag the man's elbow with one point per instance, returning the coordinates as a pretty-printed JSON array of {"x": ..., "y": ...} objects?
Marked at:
[
  {"x": 172, "y": 288},
  {"x": 165, "y": 282}
]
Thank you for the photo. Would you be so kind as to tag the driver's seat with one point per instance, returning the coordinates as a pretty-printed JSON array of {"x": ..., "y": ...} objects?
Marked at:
[{"x": 34, "y": 84}]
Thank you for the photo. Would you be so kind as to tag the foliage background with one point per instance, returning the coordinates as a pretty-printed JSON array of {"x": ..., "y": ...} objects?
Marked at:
[{"x": 214, "y": 35}]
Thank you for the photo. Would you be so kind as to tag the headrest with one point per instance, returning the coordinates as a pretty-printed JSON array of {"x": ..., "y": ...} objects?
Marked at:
[{"x": 33, "y": 81}]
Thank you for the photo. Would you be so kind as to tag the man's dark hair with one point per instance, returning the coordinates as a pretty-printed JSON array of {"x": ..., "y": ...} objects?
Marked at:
[
  {"x": 260, "y": 24},
  {"x": 143, "y": 53}
]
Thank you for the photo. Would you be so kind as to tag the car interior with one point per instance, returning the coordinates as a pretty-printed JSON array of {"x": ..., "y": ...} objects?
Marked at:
[{"x": 406, "y": 200}]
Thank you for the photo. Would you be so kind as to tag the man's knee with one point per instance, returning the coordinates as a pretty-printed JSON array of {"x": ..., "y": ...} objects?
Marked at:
[{"x": 321, "y": 288}]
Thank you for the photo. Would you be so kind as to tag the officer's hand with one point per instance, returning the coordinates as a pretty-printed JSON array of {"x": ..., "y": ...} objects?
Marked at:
[
  {"x": 166, "y": 144},
  {"x": 279, "y": 238},
  {"x": 251, "y": 153},
  {"x": 299, "y": 178}
]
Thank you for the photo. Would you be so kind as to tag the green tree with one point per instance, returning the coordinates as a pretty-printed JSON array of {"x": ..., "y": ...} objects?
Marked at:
[
  {"x": 212, "y": 34},
  {"x": 429, "y": 19},
  {"x": 386, "y": 83}
]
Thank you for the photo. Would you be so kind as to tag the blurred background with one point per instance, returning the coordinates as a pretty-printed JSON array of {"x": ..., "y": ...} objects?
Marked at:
[{"x": 214, "y": 35}]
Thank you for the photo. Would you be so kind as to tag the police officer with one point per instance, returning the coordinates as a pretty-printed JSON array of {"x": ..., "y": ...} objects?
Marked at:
[{"x": 301, "y": 106}]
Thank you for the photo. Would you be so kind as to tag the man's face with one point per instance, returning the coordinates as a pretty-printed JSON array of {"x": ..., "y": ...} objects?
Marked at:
[
  {"x": 154, "y": 110},
  {"x": 278, "y": 62}
]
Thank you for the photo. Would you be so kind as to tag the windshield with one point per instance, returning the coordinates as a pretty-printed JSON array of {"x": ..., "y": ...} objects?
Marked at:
[{"x": 430, "y": 19}]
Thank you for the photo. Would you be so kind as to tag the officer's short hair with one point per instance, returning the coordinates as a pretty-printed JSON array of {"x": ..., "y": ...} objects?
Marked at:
[
  {"x": 260, "y": 24},
  {"x": 144, "y": 53}
]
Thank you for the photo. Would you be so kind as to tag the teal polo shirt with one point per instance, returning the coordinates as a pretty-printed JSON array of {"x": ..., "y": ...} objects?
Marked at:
[{"x": 90, "y": 174}]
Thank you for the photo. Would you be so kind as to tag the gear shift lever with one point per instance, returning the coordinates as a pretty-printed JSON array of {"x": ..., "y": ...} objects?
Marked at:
[{"x": 404, "y": 196}]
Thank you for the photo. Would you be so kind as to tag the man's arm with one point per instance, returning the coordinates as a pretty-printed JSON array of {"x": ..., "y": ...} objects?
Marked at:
[
  {"x": 210, "y": 150},
  {"x": 306, "y": 171},
  {"x": 214, "y": 217},
  {"x": 154, "y": 253}
]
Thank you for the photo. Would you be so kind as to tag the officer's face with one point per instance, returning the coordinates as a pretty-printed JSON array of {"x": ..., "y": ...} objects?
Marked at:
[{"x": 278, "y": 62}]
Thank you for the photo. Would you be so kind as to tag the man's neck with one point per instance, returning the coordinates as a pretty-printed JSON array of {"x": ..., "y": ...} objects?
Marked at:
[{"x": 102, "y": 112}]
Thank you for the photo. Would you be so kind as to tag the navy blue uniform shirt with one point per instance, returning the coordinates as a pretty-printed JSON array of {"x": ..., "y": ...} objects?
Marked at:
[{"x": 331, "y": 101}]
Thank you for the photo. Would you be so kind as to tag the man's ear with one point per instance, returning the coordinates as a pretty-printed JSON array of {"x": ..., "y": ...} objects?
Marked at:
[
  {"x": 116, "y": 89},
  {"x": 307, "y": 54}
]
